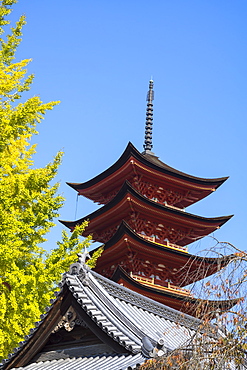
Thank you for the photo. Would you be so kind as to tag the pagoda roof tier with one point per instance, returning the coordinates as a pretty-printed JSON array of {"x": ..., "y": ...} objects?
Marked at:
[
  {"x": 146, "y": 216},
  {"x": 146, "y": 171},
  {"x": 174, "y": 297},
  {"x": 170, "y": 262}
]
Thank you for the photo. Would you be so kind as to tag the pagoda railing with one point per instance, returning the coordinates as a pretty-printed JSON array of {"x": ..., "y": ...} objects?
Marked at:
[
  {"x": 166, "y": 243},
  {"x": 152, "y": 282}
]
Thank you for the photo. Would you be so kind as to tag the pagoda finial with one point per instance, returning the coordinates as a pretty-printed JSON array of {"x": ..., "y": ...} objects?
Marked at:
[{"x": 149, "y": 120}]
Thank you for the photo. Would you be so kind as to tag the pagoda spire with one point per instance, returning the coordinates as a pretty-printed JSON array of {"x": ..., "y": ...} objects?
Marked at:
[{"x": 149, "y": 120}]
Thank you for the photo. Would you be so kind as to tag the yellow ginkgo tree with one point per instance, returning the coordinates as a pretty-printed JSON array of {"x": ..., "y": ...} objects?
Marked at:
[{"x": 28, "y": 203}]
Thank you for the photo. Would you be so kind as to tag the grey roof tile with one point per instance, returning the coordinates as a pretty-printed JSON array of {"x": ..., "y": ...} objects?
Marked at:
[
  {"x": 104, "y": 362},
  {"x": 137, "y": 323}
]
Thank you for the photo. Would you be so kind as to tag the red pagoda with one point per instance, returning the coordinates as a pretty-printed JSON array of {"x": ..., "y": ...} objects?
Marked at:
[{"x": 145, "y": 229}]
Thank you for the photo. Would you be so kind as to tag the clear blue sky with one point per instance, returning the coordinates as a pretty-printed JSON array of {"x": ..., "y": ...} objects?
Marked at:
[{"x": 97, "y": 58}]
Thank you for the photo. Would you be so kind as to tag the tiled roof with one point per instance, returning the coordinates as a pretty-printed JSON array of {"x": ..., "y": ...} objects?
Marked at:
[
  {"x": 104, "y": 362},
  {"x": 128, "y": 317},
  {"x": 136, "y": 302},
  {"x": 132, "y": 326}
]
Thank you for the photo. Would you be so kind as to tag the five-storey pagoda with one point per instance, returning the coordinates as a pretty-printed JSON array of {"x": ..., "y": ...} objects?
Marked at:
[{"x": 145, "y": 229}]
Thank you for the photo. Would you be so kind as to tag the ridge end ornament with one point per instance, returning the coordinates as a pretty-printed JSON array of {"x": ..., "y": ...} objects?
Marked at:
[{"x": 80, "y": 268}]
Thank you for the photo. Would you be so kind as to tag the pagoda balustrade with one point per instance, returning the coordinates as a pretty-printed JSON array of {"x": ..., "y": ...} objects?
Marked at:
[
  {"x": 165, "y": 243},
  {"x": 162, "y": 285},
  {"x": 136, "y": 264}
]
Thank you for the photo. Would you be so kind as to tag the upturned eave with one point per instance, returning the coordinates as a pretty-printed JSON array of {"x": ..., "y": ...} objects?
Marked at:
[
  {"x": 187, "y": 268},
  {"x": 182, "y": 302},
  {"x": 129, "y": 199},
  {"x": 123, "y": 168}
]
